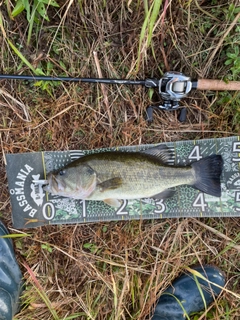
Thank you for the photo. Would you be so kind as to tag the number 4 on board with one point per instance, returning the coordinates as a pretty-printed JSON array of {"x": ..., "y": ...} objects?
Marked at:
[{"x": 200, "y": 202}]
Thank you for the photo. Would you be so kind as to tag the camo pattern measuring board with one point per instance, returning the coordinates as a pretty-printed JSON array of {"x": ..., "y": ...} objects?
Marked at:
[{"x": 32, "y": 207}]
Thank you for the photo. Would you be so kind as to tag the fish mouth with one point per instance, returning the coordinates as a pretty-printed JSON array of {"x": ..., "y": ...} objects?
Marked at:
[{"x": 53, "y": 185}]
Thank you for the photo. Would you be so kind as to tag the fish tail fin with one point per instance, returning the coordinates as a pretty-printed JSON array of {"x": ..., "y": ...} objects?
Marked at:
[{"x": 208, "y": 171}]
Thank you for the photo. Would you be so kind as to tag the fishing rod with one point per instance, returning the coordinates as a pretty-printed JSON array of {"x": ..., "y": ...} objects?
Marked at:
[{"x": 172, "y": 87}]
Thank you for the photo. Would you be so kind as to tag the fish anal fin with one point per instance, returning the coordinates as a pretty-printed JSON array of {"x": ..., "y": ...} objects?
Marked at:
[
  {"x": 168, "y": 193},
  {"x": 110, "y": 184},
  {"x": 113, "y": 202}
]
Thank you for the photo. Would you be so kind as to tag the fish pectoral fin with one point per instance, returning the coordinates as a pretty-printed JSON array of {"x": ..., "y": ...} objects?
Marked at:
[
  {"x": 113, "y": 183},
  {"x": 162, "y": 152},
  {"x": 168, "y": 193},
  {"x": 113, "y": 202}
]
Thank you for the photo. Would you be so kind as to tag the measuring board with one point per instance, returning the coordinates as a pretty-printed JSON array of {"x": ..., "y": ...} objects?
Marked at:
[{"x": 32, "y": 207}]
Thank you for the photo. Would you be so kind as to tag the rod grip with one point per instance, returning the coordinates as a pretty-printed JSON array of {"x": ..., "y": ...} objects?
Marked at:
[{"x": 217, "y": 85}]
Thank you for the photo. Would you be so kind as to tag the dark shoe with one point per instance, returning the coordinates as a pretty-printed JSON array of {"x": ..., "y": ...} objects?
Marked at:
[
  {"x": 10, "y": 278},
  {"x": 185, "y": 294}
]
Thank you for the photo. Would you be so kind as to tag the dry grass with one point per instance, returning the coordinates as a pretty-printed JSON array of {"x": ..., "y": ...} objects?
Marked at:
[{"x": 116, "y": 270}]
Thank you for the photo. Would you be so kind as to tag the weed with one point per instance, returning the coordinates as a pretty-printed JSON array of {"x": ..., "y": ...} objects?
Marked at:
[
  {"x": 34, "y": 12},
  {"x": 47, "y": 247},
  {"x": 92, "y": 247},
  {"x": 151, "y": 15},
  {"x": 233, "y": 61}
]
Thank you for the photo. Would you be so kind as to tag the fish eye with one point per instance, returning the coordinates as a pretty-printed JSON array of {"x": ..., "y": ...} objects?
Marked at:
[{"x": 62, "y": 172}]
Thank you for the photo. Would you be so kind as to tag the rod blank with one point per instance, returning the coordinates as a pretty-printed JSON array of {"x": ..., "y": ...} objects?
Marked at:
[{"x": 71, "y": 79}]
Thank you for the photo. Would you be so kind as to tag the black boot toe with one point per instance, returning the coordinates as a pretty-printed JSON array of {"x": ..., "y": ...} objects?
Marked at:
[
  {"x": 10, "y": 278},
  {"x": 189, "y": 293}
]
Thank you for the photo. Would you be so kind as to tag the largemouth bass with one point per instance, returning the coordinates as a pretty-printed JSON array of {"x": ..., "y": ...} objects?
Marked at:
[{"x": 112, "y": 176}]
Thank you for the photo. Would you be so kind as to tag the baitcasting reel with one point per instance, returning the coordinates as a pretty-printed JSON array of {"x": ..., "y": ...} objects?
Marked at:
[{"x": 173, "y": 86}]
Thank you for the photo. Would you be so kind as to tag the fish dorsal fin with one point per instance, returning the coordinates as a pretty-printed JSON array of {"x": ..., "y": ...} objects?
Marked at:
[
  {"x": 162, "y": 152},
  {"x": 113, "y": 183}
]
